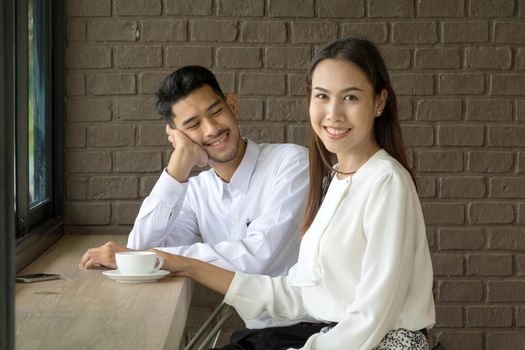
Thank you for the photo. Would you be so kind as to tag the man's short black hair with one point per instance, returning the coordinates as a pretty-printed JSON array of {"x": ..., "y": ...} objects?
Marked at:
[{"x": 180, "y": 84}]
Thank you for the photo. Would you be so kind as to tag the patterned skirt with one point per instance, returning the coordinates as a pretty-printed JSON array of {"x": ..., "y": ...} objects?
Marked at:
[{"x": 402, "y": 339}]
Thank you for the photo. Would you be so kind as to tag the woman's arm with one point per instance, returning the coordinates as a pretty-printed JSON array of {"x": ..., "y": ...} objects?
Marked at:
[{"x": 204, "y": 273}]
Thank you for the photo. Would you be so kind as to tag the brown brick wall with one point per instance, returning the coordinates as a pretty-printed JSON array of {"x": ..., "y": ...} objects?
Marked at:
[{"x": 458, "y": 67}]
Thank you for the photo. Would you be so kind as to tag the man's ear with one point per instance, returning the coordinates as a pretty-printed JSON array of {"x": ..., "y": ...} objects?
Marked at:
[{"x": 232, "y": 103}]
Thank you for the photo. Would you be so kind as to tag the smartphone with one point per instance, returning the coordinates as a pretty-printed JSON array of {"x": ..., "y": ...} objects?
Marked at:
[{"x": 37, "y": 277}]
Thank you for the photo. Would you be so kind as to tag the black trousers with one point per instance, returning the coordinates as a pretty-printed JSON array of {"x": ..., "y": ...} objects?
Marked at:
[{"x": 274, "y": 338}]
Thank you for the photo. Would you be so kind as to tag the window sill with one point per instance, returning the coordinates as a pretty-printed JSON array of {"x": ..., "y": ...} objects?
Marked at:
[{"x": 41, "y": 237}]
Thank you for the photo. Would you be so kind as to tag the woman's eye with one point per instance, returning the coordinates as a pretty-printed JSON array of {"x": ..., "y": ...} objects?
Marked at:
[
  {"x": 321, "y": 96},
  {"x": 217, "y": 112},
  {"x": 350, "y": 98}
]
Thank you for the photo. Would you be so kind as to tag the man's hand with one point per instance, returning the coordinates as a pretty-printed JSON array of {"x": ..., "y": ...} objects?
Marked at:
[
  {"x": 185, "y": 156},
  {"x": 103, "y": 255}
]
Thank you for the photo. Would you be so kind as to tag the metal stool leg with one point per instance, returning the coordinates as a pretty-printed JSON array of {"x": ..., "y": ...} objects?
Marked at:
[{"x": 215, "y": 332}]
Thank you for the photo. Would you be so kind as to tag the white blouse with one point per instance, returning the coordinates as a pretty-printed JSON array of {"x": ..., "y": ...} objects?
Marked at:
[{"x": 364, "y": 263}]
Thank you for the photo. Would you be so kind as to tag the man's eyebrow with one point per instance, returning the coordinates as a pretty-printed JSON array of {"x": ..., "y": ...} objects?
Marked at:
[
  {"x": 192, "y": 118},
  {"x": 350, "y": 88},
  {"x": 213, "y": 105},
  {"x": 189, "y": 120}
]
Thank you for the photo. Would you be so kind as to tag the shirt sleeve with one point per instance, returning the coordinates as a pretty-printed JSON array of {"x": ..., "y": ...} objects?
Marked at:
[
  {"x": 273, "y": 235},
  {"x": 392, "y": 221},
  {"x": 164, "y": 217}
]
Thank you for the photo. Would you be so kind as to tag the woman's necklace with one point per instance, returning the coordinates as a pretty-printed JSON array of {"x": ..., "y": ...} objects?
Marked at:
[{"x": 341, "y": 175}]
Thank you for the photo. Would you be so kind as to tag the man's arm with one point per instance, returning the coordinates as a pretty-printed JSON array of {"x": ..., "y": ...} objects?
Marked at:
[
  {"x": 163, "y": 206},
  {"x": 159, "y": 215},
  {"x": 160, "y": 207},
  {"x": 164, "y": 219}
]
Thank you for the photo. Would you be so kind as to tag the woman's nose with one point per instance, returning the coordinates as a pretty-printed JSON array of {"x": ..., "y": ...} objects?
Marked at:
[{"x": 334, "y": 112}]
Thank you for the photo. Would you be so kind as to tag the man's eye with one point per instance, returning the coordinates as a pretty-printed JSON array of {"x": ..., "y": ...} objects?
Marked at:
[
  {"x": 193, "y": 126},
  {"x": 350, "y": 98},
  {"x": 217, "y": 112}
]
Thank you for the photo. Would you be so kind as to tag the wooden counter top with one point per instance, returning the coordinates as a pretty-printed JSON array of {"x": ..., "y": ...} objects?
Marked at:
[{"x": 87, "y": 310}]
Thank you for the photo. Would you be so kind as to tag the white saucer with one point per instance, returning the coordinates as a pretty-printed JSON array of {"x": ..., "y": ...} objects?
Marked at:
[{"x": 148, "y": 278}]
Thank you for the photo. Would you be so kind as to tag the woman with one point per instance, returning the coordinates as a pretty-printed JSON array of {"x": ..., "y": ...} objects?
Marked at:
[{"x": 364, "y": 268}]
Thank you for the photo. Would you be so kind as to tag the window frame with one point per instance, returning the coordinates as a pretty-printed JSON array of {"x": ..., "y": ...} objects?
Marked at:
[
  {"x": 38, "y": 228},
  {"x": 7, "y": 220}
]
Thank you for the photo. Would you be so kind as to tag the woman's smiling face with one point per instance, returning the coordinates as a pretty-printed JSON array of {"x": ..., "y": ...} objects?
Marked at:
[{"x": 343, "y": 107}]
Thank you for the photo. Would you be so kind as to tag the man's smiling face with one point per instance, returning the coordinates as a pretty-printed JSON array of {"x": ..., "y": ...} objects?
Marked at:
[{"x": 211, "y": 122}]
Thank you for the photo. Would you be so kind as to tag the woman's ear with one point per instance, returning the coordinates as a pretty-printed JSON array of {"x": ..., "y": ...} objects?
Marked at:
[
  {"x": 232, "y": 103},
  {"x": 381, "y": 101}
]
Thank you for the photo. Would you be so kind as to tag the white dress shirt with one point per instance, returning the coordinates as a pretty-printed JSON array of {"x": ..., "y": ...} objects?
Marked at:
[
  {"x": 364, "y": 263},
  {"x": 250, "y": 224}
]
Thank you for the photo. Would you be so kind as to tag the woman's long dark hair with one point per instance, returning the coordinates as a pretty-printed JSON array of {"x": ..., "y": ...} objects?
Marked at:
[{"x": 387, "y": 130}]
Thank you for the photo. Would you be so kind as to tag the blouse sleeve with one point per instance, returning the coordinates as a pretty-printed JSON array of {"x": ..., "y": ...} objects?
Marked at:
[
  {"x": 392, "y": 222},
  {"x": 251, "y": 295}
]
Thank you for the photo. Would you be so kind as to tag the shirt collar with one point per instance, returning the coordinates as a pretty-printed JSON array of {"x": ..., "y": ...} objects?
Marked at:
[{"x": 243, "y": 174}]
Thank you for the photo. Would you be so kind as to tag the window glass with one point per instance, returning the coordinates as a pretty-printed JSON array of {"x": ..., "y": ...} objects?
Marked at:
[
  {"x": 37, "y": 104},
  {"x": 38, "y": 110}
]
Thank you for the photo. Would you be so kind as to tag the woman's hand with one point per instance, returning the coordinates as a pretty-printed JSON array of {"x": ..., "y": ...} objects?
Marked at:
[
  {"x": 202, "y": 272},
  {"x": 178, "y": 265}
]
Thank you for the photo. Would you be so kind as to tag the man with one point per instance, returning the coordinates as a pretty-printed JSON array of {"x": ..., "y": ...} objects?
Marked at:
[{"x": 244, "y": 213}]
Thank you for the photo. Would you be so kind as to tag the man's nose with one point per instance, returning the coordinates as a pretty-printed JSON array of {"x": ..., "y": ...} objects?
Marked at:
[{"x": 211, "y": 126}]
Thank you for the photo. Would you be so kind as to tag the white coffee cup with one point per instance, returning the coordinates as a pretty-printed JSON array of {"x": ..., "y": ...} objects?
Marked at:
[{"x": 138, "y": 263}]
